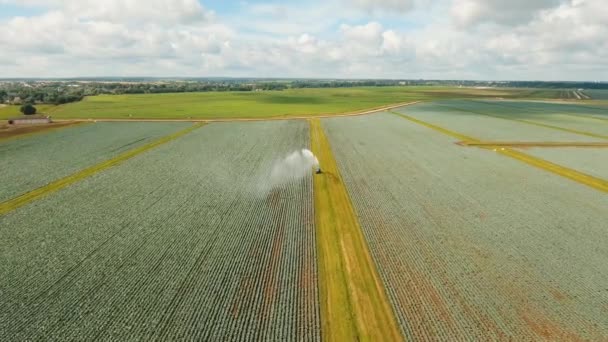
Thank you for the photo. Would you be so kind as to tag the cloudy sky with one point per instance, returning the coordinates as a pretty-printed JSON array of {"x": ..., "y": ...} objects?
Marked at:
[{"x": 448, "y": 39}]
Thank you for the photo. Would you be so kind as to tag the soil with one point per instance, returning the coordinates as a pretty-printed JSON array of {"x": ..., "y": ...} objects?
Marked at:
[{"x": 10, "y": 131}]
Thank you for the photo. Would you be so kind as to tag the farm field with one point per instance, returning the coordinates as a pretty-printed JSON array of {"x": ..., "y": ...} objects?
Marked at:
[
  {"x": 186, "y": 241},
  {"x": 592, "y": 161},
  {"x": 443, "y": 220},
  {"x": 354, "y": 305},
  {"x": 293, "y": 102},
  {"x": 597, "y": 94},
  {"x": 467, "y": 241},
  {"x": 582, "y": 118},
  {"x": 511, "y": 121},
  {"x": 33, "y": 161}
]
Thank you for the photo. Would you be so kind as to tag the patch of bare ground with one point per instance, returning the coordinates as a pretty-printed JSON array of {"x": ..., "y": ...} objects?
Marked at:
[{"x": 10, "y": 131}]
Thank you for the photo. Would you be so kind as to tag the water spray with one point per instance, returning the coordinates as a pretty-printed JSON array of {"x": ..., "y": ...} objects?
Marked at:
[
  {"x": 315, "y": 162},
  {"x": 294, "y": 167}
]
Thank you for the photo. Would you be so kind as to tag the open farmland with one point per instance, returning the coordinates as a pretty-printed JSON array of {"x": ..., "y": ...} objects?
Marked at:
[
  {"x": 592, "y": 161},
  {"x": 467, "y": 241},
  {"x": 292, "y": 102},
  {"x": 186, "y": 241},
  {"x": 597, "y": 94},
  {"x": 36, "y": 160},
  {"x": 447, "y": 220},
  {"x": 510, "y": 121},
  {"x": 7, "y": 112},
  {"x": 580, "y": 119}
]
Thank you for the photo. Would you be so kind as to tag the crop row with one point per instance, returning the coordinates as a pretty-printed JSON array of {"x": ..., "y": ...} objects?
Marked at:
[
  {"x": 34, "y": 161},
  {"x": 462, "y": 116},
  {"x": 180, "y": 243},
  {"x": 494, "y": 120},
  {"x": 578, "y": 117},
  {"x": 592, "y": 161},
  {"x": 472, "y": 245}
]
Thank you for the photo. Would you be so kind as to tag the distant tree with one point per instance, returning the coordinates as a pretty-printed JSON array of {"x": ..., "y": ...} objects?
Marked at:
[{"x": 28, "y": 109}]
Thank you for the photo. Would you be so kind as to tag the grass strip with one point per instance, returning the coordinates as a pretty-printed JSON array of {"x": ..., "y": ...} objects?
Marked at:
[
  {"x": 61, "y": 183},
  {"x": 582, "y": 178},
  {"x": 354, "y": 303}
]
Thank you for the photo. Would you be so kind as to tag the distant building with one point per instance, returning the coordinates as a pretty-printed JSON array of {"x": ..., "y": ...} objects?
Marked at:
[{"x": 30, "y": 120}]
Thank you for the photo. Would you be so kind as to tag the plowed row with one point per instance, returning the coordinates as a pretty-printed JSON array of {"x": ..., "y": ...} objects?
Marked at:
[
  {"x": 34, "y": 161},
  {"x": 470, "y": 244},
  {"x": 179, "y": 243}
]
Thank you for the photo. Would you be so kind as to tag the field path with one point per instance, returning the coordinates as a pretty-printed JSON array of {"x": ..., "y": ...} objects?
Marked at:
[{"x": 354, "y": 304}]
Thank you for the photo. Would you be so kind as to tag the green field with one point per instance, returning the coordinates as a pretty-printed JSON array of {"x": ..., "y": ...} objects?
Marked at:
[
  {"x": 263, "y": 104},
  {"x": 189, "y": 241},
  {"x": 515, "y": 120},
  {"x": 597, "y": 94},
  {"x": 270, "y": 104},
  {"x": 59, "y": 153},
  {"x": 181, "y": 231},
  {"x": 472, "y": 245},
  {"x": 7, "y": 112}
]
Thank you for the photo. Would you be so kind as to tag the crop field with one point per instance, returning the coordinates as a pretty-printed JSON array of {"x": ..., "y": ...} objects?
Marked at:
[
  {"x": 577, "y": 118},
  {"x": 597, "y": 94},
  {"x": 293, "y": 102},
  {"x": 36, "y": 160},
  {"x": 186, "y": 241},
  {"x": 592, "y": 161},
  {"x": 501, "y": 120},
  {"x": 466, "y": 240},
  {"x": 456, "y": 219}
]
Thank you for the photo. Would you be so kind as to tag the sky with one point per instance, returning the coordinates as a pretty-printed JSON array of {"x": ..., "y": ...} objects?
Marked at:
[{"x": 565, "y": 40}]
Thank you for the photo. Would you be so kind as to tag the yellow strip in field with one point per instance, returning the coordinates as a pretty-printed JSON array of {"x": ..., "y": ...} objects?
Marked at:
[
  {"x": 439, "y": 129},
  {"x": 582, "y": 178},
  {"x": 539, "y": 124},
  {"x": 594, "y": 182},
  {"x": 535, "y": 144},
  {"x": 354, "y": 303},
  {"x": 61, "y": 183}
]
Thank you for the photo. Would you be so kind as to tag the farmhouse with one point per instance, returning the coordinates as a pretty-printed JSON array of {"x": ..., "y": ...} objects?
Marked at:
[{"x": 30, "y": 120}]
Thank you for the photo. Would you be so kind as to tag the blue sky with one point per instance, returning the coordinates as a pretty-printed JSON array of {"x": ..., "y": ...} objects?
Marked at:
[
  {"x": 472, "y": 39},
  {"x": 8, "y": 11}
]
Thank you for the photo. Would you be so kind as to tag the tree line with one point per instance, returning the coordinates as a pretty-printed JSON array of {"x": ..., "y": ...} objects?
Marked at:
[{"x": 65, "y": 91}]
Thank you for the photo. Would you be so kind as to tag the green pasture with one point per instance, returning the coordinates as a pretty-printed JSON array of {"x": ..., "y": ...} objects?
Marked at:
[
  {"x": 291, "y": 102},
  {"x": 267, "y": 104},
  {"x": 7, "y": 112}
]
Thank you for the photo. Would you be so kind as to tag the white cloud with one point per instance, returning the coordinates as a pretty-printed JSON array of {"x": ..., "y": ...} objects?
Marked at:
[
  {"x": 125, "y": 11},
  {"x": 470, "y": 12},
  {"x": 383, "y": 5},
  {"x": 538, "y": 39}
]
